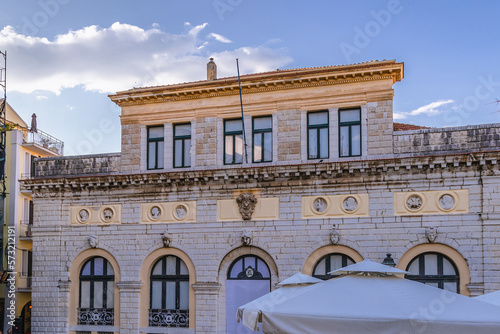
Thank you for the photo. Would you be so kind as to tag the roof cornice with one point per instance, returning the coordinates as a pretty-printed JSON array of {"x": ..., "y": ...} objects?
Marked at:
[
  {"x": 338, "y": 172},
  {"x": 263, "y": 82}
]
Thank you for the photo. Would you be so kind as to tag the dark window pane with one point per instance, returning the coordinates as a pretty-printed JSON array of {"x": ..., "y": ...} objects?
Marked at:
[
  {"x": 234, "y": 125},
  {"x": 187, "y": 153},
  {"x": 178, "y": 153},
  {"x": 318, "y": 118},
  {"x": 356, "y": 140},
  {"x": 260, "y": 123},
  {"x": 160, "y": 155},
  {"x": 313, "y": 143},
  {"x": 268, "y": 147},
  {"x": 257, "y": 147},
  {"x": 151, "y": 155},
  {"x": 155, "y": 132},
  {"x": 344, "y": 141},
  {"x": 350, "y": 116},
  {"x": 182, "y": 130},
  {"x": 323, "y": 143},
  {"x": 228, "y": 154},
  {"x": 238, "y": 149}
]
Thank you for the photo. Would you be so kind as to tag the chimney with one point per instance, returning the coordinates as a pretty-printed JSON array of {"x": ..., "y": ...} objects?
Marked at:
[{"x": 211, "y": 70}]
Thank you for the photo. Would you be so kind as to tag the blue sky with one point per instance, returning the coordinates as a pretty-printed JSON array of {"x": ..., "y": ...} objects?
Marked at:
[{"x": 66, "y": 56}]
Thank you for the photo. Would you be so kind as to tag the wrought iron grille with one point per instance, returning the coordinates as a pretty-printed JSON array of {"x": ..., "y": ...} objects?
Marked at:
[
  {"x": 96, "y": 316},
  {"x": 168, "y": 318}
]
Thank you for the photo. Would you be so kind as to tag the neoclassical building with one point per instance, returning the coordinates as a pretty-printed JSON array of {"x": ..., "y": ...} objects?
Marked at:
[{"x": 204, "y": 210}]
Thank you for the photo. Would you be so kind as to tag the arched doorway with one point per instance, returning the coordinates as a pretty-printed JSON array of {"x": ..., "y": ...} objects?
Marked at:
[
  {"x": 26, "y": 316},
  {"x": 248, "y": 278}
]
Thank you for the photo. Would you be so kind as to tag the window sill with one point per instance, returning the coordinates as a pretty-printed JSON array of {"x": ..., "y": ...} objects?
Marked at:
[
  {"x": 166, "y": 330},
  {"x": 93, "y": 328}
]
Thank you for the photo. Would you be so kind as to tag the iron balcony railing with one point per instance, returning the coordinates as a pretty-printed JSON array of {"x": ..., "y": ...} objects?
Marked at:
[
  {"x": 168, "y": 318},
  {"x": 96, "y": 316},
  {"x": 45, "y": 140}
]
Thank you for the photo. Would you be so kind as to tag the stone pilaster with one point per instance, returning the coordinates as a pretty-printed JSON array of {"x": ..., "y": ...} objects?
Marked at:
[
  {"x": 130, "y": 292},
  {"x": 206, "y": 306}
]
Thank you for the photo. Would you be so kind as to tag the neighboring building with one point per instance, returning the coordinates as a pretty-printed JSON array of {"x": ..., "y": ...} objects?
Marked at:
[
  {"x": 21, "y": 149},
  {"x": 180, "y": 228}
]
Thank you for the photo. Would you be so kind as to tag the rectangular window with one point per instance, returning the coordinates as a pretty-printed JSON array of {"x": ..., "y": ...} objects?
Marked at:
[
  {"x": 350, "y": 132},
  {"x": 155, "y": 147},
  {"x": 182, "y": 145},
  {"x": 317, "y": 135},
  {"x": 262, "y": 130},
  {"x": 233, "y": 141}
]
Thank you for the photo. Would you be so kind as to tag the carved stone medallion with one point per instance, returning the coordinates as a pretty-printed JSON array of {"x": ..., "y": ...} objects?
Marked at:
[
  {"x": 155, "y": 212},
  {"x": 83, "y": 216},
  {"x": 246, "y": 204},
  {"x": 350, "y": 204},
  {"x": 319, "y": 205},
  {"x": 446, "y": 202},
  {"x": 414, "y": 203},
  {"x": 180, "y": 212},
  {"x": 107, "y": 215}
]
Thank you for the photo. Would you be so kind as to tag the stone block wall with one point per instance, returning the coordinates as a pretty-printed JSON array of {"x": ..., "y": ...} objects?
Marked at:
[
  {"x": 379, "y": 126},
  {"x": 131, "y": 148},
  {"x": 485, "y": 137},
  {"x": 289, "y": 136},
  {"x": 78, "y": 165}
]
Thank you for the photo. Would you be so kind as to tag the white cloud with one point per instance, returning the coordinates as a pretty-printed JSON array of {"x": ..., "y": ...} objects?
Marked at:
[
  {"x": 124, "y": 56},
  {"x": 430, "y": 109},
  {"x": 219, "y": 38}
]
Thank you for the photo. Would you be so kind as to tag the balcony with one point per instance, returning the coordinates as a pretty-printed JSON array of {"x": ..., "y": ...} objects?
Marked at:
[
  {"x": 25, "y": 230},
  {"x": 96, "y": 316},
  {"x": 168, "y": 318},
  {"x": 43, "y": 143},
  {"x": 24, "y": 282}
]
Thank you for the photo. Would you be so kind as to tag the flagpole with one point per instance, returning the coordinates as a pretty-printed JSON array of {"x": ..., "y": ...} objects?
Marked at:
[{"x": 242, "y": 117}]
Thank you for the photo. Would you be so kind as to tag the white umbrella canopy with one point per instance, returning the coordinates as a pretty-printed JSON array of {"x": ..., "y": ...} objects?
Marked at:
[
  {"x": 376, "y": 301},
  {"x": 492, "y": 298},
  {"x": 250, "y": 313}
]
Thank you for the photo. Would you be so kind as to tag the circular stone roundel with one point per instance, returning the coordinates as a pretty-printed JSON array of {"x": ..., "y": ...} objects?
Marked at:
[
  {"x": 350, "y": 204},
  {"x": 107, "y": 215},
  {"x": 447, "y": 202},
  {"x": 319, "y": 205},
  {"x": 180, "y": 212},
  {"x": 83, "y": 216},
  {"x": 155, "y": 212},
  {"x": 414, "y": 203}
]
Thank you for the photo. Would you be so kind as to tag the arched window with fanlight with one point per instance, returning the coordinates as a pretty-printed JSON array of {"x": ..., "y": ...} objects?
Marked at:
[
  {"x": 97, "y": 288},
  {"x": 248, "y": 278},
  {"x": 434, "y": 269},
  {"x": 331, "y": 262},
  {"x": 169, "y": 299}
]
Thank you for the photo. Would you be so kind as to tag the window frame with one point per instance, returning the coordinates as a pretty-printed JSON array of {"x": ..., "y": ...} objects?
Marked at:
[
  {"x": 183, "y": 140},
  {"x": 350, "y": 125},
  {"x": 328, "y": 265},
  {"x": 92, "y": 278},
  {"x": 440, "y": 278},
  {"x": 164, "y": 278},
  {"x": 155, "y": 140},
  {"x": 318, "y": 127},
  {"x": 262, "y": 132},
  {"x": 233, "y": 134}
]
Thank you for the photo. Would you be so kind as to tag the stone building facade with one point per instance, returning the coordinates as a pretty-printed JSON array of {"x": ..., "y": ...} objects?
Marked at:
[{"x": 187, "y": 227}]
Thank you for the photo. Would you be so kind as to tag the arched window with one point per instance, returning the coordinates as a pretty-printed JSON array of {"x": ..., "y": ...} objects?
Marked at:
[
  {"x": 249, "y": 267},
  {"x": 169, "y": 300},
  {"x": 434, "y": 269},
  {"x": 97, "y": 287},
  {"x": 248, "y": 278},
  {"x": 329, "y": 263}
]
